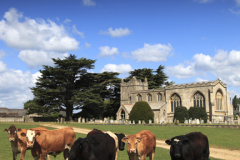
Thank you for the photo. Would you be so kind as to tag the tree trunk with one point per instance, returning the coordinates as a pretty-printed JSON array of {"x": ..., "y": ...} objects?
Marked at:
[{"x": 69, "y": 111}]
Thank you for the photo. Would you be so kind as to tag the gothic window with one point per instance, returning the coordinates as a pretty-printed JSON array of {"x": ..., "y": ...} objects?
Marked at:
[
  {"x": 149, "y": 97},
  {"x": 175, "y": 102},
  {"x": 219, "y": 98},
  {"x": 198, "y": 100},
  {"x": 139, "y": 97},
  {"x": 122, "y": 114},
  {"x": 159, "y": 97}
]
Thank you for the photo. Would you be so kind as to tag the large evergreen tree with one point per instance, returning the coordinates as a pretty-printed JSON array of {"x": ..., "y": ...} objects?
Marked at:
[
  {"x": 58, "y": 87},
  {"x": 235, "y": 102},
  {"x": 155, "y": 78}
]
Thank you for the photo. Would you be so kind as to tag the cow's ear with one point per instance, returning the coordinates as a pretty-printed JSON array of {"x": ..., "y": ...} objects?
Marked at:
[
  {"x": 139, "y": 139},
  {"x": 169, "y": 142},
  {"x": 37, "y": 134},
  {"x": 125, "y": 139},
  {"x": 19, "y": 129},
  {"x": 5, "y": 130},
  {"x": 23, "y": 134},
  {"x": 186, "y": 141}
]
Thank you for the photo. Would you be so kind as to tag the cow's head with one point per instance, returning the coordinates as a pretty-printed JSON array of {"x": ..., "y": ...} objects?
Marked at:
[
  {"x": 12, "y": 132},
  {"x": 121, "y": 144},
  {"x": 30, "y": 137},
  {"x": 177, "y": 144},
  {"x": 132, "y": 142}
]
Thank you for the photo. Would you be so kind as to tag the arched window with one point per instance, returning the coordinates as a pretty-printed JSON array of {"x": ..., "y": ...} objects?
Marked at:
[
  {"x": 149, "y": 97},
  {"x": 175, "y": 102},
  {"x": 122, "y": 114},
  {"x": 219, "y": 98},
  {"x": 159, "y": 97},
  {"x": 139, "y": 97},
  {"x": 198, "y": 100}
]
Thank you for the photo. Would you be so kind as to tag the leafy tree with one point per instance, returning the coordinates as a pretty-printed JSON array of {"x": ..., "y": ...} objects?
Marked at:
[
  {"x": 102, "y": 99},
  {"x": 141, "y": 111},
  {"x": 155, "y": 78},
  {"x": 32, "y": 106},
  {"x": 235, "y": 102},
  {"x": 197, "y": 113},
  {"x": 58, "y": 87},
  {"x": 181, "y": 113}
]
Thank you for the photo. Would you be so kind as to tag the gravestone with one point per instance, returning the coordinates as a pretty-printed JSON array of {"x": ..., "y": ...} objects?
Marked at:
[
  {"x": 139, "y": 122},
  {"x": 177, "y": 121},
  {"x": 202, "y": 121},
  {"x": 79, "y": 120},
  {"x": 190, "y": 121},
  {"x": 150, "y": 121},
  {"x": 210, "y": 122},
  {"x": 225, "y": 122},
  {"x": 197, "y": 121},
  {"x": 160, "y": 122},
  {"x": 129, "y": 122},
  {"x": 116, "y": 121},
  {"x": 143, "y": 122},
  {"x": 157, "y": 120},
  {"x": 83, "y": 120},
  {"x": 111, "y": 121},
  {"x": 186, "y": 121},
  {"x": 133, "y": 122}
]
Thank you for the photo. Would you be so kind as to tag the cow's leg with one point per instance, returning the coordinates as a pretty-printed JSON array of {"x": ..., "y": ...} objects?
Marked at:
[
  {"x": 152, "y": 155},
  {"x": 43, "y": 155},
  {"x": 23, "y": 152},
  {"x": 14, "y": 155},
  {"x": 144, "y": 156},
  {"x": 48, "y": 156},
  {"x": 116, "y": 156},
  {"x": 65, "y": 154}
]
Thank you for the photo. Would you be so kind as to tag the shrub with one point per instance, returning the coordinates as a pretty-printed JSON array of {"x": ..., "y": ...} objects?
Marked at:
[
  {"x": 181, "y": 113},
  {"x": 198, "y": 113},
  {"x": 141, "y": 111}
]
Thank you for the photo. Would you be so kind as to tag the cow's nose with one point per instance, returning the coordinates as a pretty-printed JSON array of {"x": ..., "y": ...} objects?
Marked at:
[
  {"x": 11, "y": 139},
  {"x": 132, "y": 151}
]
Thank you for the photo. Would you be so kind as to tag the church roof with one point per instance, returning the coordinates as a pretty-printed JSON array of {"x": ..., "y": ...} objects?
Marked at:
[{"x": 153, "y": 105}]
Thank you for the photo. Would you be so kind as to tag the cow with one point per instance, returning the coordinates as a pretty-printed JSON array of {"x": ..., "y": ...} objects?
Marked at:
[
  {"x": 188, "y": 147},
  {"x": 51, "y": 142},
  {"x": 121, "y": 144},
  {"x": 95, "y": 147},
  {"x": 17, "y": 137},
  {"x": 93, "y": 132},
  {"x": 141, "y": 145}
]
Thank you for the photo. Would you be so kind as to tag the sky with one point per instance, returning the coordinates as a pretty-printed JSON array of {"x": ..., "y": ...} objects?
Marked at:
[{"x": 196, "y": 40}]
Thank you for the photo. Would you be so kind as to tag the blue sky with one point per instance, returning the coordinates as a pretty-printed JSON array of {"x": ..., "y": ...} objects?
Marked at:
[{"x": 196, "y": 40}]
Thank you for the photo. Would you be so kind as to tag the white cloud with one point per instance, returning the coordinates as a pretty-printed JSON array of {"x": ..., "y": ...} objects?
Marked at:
[
  {"x": 34, "y": 34},
  {"x": 203, "y": 1},
  {"x": 180, "y": 71},
  {"x": 121, "y": 68},
  {"x": 224, "y": 65},
  {"x": 89, "y": 3},
  {"x": 118, "y": 32},
  {"x": 77, "y": 32},
  {"x": 67, "y": 21},
  {"x": 2, "y": 66},
  {"x": 200, "y": 80},
  {"x": 87, "y": 45},
  {"x": 152, "y": 53},
  {"x": 35, "y": 58},
  {"x": 14, "y": 88},
  {"x": 107, "y": 51},
  {"x": 235, "y": 12},
  {"x": 238, "y": 2},
  {"x": 2, "y": 54}
]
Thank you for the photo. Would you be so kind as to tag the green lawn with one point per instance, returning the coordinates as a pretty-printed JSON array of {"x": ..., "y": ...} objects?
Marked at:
[{"x": 163, "y": 154}]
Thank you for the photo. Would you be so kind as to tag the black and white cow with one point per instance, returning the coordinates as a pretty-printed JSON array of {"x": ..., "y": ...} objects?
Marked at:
[
  {"x": 192, "y": 146},
  {"x": 96, "y": 147}
]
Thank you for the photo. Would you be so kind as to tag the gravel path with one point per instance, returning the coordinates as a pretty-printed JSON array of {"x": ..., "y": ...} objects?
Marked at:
[{"x": 214, "y": 152}]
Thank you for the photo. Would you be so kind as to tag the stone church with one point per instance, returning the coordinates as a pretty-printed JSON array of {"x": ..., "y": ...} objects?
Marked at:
[{"x": 212, "y": 95}]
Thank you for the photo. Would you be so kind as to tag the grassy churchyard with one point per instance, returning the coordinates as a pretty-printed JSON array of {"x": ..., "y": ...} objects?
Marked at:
[{"x": 218, "y": 137}]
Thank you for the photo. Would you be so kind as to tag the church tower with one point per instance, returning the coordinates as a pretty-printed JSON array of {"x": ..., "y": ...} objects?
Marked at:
[{"x": 126, "y": 88}]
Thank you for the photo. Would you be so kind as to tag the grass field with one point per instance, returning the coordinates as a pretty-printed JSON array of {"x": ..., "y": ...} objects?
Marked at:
[{"x": 163, "y": 154}]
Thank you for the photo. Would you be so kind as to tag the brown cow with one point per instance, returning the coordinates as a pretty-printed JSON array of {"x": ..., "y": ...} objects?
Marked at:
[
  {"x": 51, "y": 142},
  {"x": 141, "y": 145},
  {"x": 18, "y": 140}
]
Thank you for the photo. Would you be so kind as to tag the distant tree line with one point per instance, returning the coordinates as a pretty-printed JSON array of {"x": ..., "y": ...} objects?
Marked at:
[{"x": 69, "y": 85}]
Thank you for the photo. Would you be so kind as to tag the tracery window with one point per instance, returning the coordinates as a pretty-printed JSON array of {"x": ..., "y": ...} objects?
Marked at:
[
  {"x": 159, "y": 97},
  {"x": 149, "y": 97},
  {"x": 122, "y": 114},
  {"x": 139, "y": 97},
  {"x": 219, "y": 98},
  {"x": 198, "y": 100},
  {"x": 175, "y": 102}
]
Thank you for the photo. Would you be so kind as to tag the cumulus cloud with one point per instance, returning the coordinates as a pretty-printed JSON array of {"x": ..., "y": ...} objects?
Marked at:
[
  {"x": 2, "y": 66},
  {"x": 107, "y": 51},
  {"x": 118, "y": 32},
  {"x": 121, "y": 68},
  {"x": 2, "y": 54},
  {"x": 200, "y": 80},
  {"x": 67, "y": 21},
  {"x": 152, "y": 53},
  {"x": 81, "y": 34},
  {"x": 14, "y": 87},
  {"x": 34, "y": 34},
  {"x": 224, "y": 65},
  {"x": 36, "y": 58},
  {"x": 87, "y": 45},
  {"x": 180, "y": 71},
  {"x": 89, "y": 3}
]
